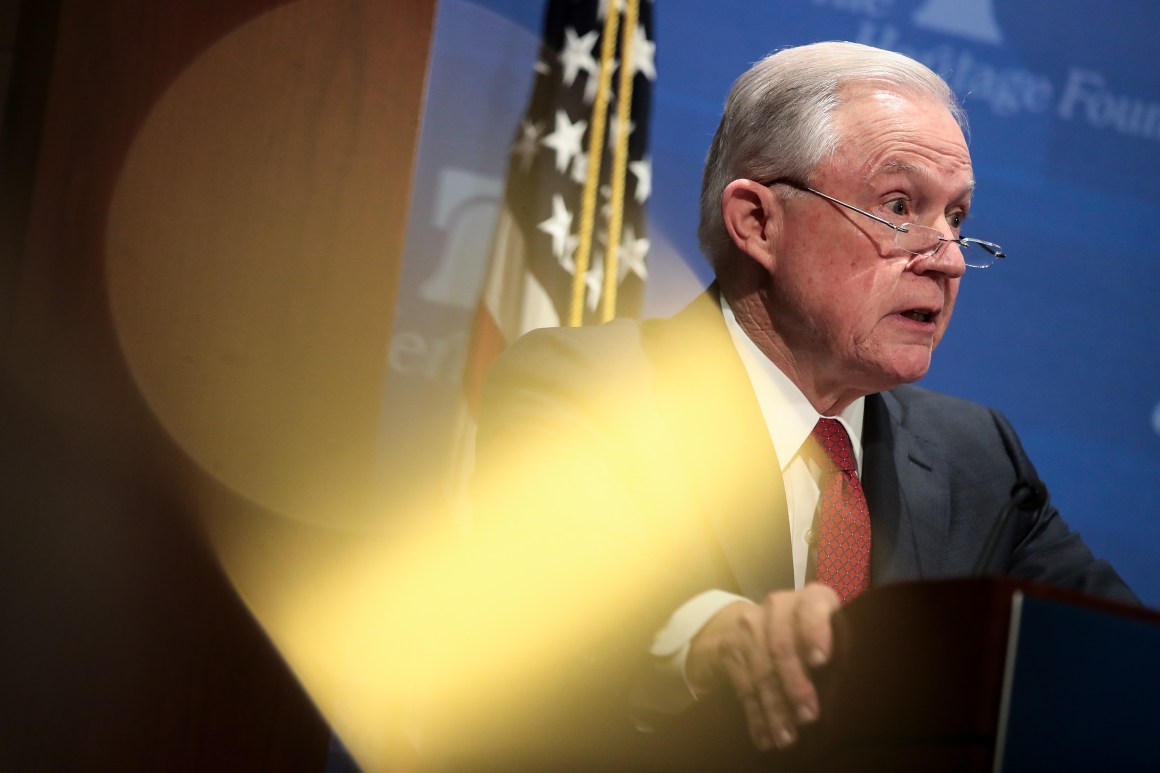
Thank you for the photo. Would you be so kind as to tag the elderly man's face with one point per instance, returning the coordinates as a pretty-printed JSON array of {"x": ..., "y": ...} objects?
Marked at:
[{"x": 857, "y": 312}]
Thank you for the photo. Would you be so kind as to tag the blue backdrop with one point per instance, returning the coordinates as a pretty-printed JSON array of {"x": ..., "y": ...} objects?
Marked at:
[{"x": 1064, "y": 105}]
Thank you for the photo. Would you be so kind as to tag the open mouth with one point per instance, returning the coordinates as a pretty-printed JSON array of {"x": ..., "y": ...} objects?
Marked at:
[{"x": 918, "y": 315}]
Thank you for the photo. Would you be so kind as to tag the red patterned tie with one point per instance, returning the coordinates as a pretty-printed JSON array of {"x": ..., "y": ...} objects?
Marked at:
[{"x": 844, "y": 518}]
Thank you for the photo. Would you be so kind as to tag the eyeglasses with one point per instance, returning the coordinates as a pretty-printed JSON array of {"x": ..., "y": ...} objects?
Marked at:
[{"x": 916, "y": 239}]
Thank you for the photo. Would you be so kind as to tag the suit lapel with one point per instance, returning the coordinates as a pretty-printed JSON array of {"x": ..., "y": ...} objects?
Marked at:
[
  {"x": 722, "y": 443},
  {"x": 907, "y": 489}
]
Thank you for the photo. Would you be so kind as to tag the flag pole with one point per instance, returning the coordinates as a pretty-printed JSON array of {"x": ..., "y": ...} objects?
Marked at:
[
  {"x": 595, "y": 152},
  {"x": 620, "y": 163}
]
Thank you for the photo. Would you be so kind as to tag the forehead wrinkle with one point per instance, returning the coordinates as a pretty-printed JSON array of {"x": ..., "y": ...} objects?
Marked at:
[
  {"x": 879, "y": 137},
  {"x": 898, "y": 166}
]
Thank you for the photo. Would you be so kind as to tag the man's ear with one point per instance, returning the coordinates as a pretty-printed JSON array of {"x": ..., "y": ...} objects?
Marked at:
[{"x": 752, "y": 215}]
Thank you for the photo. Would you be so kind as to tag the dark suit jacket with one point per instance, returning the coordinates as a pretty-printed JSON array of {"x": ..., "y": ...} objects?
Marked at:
[{"x": 636, "y": 454}]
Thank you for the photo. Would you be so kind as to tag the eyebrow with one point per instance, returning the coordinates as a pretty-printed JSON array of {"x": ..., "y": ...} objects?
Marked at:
[{"x": 895, "y": 166}]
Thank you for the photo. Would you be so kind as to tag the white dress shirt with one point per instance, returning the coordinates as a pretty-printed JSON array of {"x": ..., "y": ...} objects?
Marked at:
[{"x": 789, "y": 419}]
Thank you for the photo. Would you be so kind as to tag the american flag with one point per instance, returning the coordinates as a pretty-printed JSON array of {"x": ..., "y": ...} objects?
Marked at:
[{"x": 539, "y": 245}]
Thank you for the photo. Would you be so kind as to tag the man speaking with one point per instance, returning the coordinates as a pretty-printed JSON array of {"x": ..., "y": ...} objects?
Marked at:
[{"x": 677, "y": 507}]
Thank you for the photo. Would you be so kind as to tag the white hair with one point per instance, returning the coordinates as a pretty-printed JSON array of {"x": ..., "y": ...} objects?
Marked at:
[{"x": 778, "y": 118}]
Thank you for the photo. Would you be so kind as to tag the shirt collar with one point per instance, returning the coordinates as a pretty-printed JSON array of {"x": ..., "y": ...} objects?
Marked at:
[{"x": 789, "y": 417}]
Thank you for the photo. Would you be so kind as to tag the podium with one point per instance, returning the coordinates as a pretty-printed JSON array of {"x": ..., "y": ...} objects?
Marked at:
[
  {"x": 951, "y": 676},
  {"x": 987, "y": 675}
]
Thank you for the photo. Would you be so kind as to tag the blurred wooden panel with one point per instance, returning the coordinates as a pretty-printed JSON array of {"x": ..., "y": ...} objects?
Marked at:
[
  {"x": 233, "y": 179},
  {"x": 204, "y": 204}
]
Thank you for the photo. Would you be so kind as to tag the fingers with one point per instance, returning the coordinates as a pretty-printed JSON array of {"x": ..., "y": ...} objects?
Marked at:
[
  {"x": 786, "y": 646},
  {"x": 817, "y": 604},
  {"x": 799, "y": 638},
  {"x": 750, "y": 671},
  {"x": 774, "y": 720},
  {"x": 766, "y": 653}
]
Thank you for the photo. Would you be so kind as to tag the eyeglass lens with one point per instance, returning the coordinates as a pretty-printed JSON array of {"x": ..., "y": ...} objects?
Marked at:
[{"x": 925, "y": 241}]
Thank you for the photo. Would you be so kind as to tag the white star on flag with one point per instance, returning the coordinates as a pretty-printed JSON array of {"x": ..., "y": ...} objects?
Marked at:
[
  {"x": 526, "y": 146},
  {"x": 644, "y": 54},
  {"x": 606, "y": 194},
  {"x": 558, "y": 225},
  {"x": 642, "y": 170},
  {"x": 568, "y": 260},
  {"x": 565, "y": 139},
  {"x": 580, "y": 169},
  {"x": 632, "y": 253},
  {"x": 614, "y": 130},
  {"x": 594, "y": 279},
  {"x": 602, "y": 11},
  {"x": 592, "y": 83},
  {"x": 577, "y": 55}
]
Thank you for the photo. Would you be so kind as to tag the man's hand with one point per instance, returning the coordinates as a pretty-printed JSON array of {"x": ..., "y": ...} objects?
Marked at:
[{"x": 765, "y": 652}]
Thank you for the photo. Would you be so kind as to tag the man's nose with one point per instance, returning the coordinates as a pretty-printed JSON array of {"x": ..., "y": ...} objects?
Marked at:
[{"x": 947, "y": 259}]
